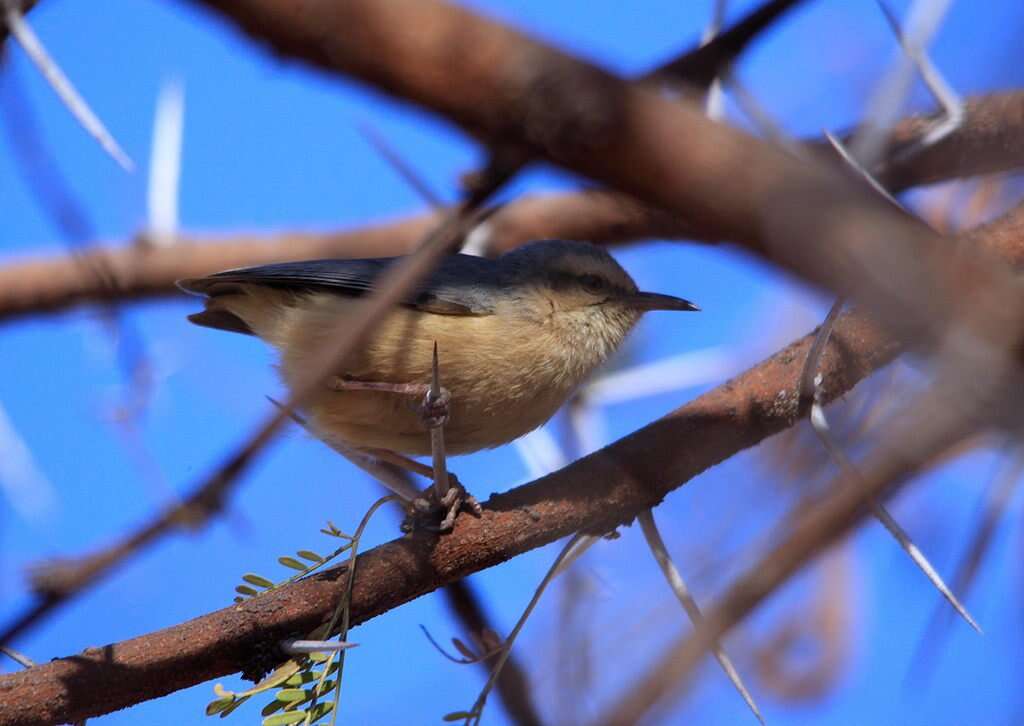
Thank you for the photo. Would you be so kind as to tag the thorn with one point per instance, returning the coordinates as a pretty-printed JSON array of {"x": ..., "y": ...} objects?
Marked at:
[
  {"x": 758, "y": 116},
  {"x": 856, "y": 166},
  {"x": 21, "y": 659},
  {"x": 437, "y": 451},
  {"x": 61, "y": 85},
  {"x": 901, "y": 536},
  {"x": 165, "y": 165},
  {"x": 304, "y": 647},
  {"x": 675, "y": 581},
  {"x": 820, "y": 425},
  {"x": 952, "y": 105},
  {"x": 867, "y": 146},
  {"x": 582, "y": 544},
  {"x": 714, "y": 100}
]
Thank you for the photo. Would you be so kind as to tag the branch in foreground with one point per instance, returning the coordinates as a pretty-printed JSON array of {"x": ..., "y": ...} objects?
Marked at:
[{"x": 990, "y": 140}]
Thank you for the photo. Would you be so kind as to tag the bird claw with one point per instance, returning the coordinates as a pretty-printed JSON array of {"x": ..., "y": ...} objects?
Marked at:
[
  {"x": 434, "y": 409},
  {"x": 424, "y": 510}
]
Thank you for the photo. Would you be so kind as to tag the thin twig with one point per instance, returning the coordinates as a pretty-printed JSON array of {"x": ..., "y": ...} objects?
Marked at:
[
  {"x": 344, "y": 610},
  {"x": 476, "y": 713},
  {"x": 682, "y": 592},
  {"x": 405, "y": 170},
  {"x": 59, "y": 82}
]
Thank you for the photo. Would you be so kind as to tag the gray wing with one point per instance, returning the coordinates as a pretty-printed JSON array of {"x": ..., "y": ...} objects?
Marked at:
[{"x": 461, "y": 284}]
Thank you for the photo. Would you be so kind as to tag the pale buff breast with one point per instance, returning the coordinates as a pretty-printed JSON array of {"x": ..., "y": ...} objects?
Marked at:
[{"x": 506, "y": 376}]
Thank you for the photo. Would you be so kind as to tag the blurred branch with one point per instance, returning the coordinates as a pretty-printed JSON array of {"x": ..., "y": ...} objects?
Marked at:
[{"x": 990, "y": 140}]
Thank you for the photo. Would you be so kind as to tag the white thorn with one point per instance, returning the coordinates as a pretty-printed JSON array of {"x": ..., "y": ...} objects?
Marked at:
[
  {"x": 675, "y": 581},
  {"x": 165, "y": 165},
  {"x": 820, "y": 424},
  {"x": 36, "y": 52},
  {"x": 303, "y": 647},
  {"x": 28, "y": 490}
]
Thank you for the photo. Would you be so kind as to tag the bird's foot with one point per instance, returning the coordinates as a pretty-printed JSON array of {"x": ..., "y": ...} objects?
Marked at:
[
  {"x": 425, "y": 510},
  {"x": 435, "y": 408}
]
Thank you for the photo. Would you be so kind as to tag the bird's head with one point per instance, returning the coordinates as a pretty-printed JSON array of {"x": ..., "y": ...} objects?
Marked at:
[{"x": 584, "y": 289}]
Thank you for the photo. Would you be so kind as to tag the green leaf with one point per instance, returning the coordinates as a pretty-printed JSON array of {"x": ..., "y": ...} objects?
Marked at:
[
  {"x": 458, "y": 716},
  {"x": 238, "y": 599},
  {"x": 292, "y": 563},
  {"x": 289, "y": 695},
  {"x": 283, "y": 719},
  {"x": 230, "y": 709},
  {"x": 215, "y": 707},
  {"x": 246, "y": 590},
  {"x": 327, "y": 688},
  {"x": 272, "y": 707},
  {"x": 310, "y": 555},
  {"x": 278, "y": 676},
  {"x": 320, "y": 710},
  {"x": 257, "y": 580}
]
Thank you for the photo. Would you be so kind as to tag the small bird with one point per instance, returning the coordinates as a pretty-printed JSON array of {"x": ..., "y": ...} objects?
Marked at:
[{"x": 517, "y": 334}]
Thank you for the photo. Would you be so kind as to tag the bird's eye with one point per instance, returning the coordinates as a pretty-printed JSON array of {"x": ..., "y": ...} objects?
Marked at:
[{"x": 593, "y": 283}]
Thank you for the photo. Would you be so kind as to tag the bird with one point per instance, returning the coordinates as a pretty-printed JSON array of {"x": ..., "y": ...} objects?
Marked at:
[{"x": 517, "y": 335}]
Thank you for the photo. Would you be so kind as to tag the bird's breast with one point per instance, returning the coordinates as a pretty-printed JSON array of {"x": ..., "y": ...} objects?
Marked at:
[{"x": 507, "y": 375}]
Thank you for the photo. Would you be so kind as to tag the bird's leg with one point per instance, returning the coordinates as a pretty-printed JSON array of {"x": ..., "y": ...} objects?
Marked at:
[{"x": 433, "y": 409}]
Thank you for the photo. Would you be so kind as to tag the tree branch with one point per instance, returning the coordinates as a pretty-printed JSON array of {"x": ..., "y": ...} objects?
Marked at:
[{"x": 990, "y": 140}]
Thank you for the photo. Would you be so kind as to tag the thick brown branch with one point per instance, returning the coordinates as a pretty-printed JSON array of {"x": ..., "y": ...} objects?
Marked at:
[{"x": 991, "y": 140}]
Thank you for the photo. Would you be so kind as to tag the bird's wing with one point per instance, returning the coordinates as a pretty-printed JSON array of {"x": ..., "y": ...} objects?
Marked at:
[{"x": 461, "y": 284}]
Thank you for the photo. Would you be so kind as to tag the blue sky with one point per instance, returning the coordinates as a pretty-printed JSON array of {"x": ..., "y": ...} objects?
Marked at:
[{"x": 271, "y": 145}]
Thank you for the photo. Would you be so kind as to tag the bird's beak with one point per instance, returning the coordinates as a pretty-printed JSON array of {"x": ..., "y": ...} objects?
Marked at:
[{"x": 656, "y": 301}]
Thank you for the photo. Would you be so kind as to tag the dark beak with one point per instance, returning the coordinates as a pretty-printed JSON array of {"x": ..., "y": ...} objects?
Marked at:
[{"x": 656, "y": 301}]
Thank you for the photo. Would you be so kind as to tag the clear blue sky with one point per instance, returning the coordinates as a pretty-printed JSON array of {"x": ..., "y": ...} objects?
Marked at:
[{"x": 270, "y": 145}]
